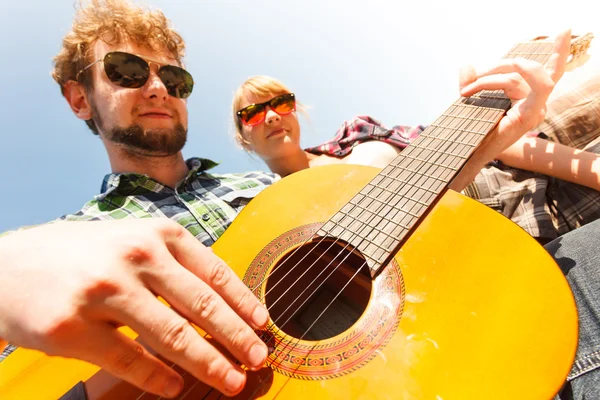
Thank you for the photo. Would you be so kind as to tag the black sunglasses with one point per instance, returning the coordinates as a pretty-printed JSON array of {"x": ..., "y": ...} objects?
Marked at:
[
  {"x": 132, "y": 71},
  {"x": 254, "y": 114}
]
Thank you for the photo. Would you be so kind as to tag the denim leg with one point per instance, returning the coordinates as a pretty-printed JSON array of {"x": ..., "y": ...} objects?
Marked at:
[{"x": 578, "y": 255}]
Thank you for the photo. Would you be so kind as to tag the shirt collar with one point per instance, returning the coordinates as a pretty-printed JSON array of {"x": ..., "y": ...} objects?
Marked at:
[{"x": 127, "y": 183}]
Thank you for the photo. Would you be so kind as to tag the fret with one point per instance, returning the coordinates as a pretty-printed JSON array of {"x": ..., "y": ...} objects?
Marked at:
[
  {"x": 445, "y": 161},
  {"x": 425, "y": 203},
  {"x": 497, "y": 103},
  {"x": 434, "y": 138},
  {"x": 459, "y": 129},
  {"x": 378, "y": 246},
  {"x": 381, "y": 233},
  {"x": 372, "y": 262},
  {"x": 531, "y": 50},
  {"x": 428, "y": 187},
  {"x": 372, "y": 252},
  {"x": 437, "y": 176},
  {"x": 432, "y": 144},
  {"x": 367, "y": 232},
  {"x": 388, "y": 217},
  {"x": 376, "y": 235},
  {"x": 463, "y": 117},
  {"x": 391, "y": 207},
  {"x": 423, "y": 149},
  {"x": 467, "y": 116},
  {"x": 437, "y": 171},
  {"x": 395, "y": 181},
  {"x": 426, "y": 162},
  {"x": 464, "y": 157},
  {"x": 526, "y": 55}
]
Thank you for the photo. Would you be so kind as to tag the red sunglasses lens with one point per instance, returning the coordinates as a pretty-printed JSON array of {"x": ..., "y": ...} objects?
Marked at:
[
  {"x": 253, "y": 115},
  {"x": 284, "y": 104}
]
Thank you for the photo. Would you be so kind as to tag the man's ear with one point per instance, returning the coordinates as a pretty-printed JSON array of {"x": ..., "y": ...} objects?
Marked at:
[{"x": 78, "y": 100}]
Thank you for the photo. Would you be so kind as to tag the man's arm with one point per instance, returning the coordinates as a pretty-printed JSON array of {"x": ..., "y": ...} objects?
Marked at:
[{"x": 73, "y": 283}]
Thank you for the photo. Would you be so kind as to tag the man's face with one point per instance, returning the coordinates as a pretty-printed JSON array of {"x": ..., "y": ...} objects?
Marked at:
[{"x": 144, "y": 121}]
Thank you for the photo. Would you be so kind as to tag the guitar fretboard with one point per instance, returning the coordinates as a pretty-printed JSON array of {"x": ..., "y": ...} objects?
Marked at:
[{"x": 380, "y": 218}]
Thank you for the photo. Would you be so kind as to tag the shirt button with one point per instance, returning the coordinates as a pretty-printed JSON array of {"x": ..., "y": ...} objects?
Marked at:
[{"x": 205, "y": 217}]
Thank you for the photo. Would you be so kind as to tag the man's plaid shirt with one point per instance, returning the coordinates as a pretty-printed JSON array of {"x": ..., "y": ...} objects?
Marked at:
[{"x": 205, "y": 204}]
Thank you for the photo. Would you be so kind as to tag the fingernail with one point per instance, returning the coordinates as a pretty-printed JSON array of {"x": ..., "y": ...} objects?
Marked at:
[
  {"x": 257, "y": 356},
  {"x": 260, "y": 316},
  {"x": 173, "y": 387},
  {"x": 234, "y": 381}
]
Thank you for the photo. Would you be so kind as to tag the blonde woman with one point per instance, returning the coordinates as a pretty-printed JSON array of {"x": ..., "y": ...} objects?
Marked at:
[{"x": 545, "y": 187}]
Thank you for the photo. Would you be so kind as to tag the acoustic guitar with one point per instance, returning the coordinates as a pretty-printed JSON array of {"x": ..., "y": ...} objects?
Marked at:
[{"x": 381, "y": 284}]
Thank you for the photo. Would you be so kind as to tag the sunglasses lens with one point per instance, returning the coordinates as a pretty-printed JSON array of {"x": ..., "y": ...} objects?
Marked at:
[
  {"x": 126, "y": 70},
  {"x": 252, "y": 115},
  {"x": 284, "y": 104},
  {"x": 178, "y": 81}
]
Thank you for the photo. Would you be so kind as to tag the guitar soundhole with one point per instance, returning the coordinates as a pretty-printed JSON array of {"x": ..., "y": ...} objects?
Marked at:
[{"x": 319, "y": 290}]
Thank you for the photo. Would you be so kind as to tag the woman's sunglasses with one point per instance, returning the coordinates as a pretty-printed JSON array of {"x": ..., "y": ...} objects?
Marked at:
[
  {"x": 254, "y": 114},
  {"x": 131, "y": 71}
]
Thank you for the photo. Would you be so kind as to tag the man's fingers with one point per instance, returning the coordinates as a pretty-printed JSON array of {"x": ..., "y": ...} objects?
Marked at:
[
  {"x": 116, "y": 353},
  {"x": 203, "y": 263},
  {"x": 558, "y": 60},
  {"x": 466, "y": 75},
  {"x": 494, "y": 78},
  {"x": 203, "y": 306},
  {"x": 512, "y": 85},
  {"x": 174, "y": 337}
]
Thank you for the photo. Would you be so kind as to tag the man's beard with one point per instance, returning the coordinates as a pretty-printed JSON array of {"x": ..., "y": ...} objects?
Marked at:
[
  {"x": 149, "y": 142},
  {"x": 137, "y": 140}
]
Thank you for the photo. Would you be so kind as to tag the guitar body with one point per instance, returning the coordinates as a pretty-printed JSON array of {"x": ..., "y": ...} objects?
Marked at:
[
  {"x": 471, "y": 307},
  {"x": 483, "y": 312}
]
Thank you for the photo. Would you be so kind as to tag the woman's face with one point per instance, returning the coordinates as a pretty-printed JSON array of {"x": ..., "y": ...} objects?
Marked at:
[{"x": 276, "y": 136}]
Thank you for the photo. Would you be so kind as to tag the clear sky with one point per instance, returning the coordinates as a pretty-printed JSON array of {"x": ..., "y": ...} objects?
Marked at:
[{"x": 394, "y": 60}]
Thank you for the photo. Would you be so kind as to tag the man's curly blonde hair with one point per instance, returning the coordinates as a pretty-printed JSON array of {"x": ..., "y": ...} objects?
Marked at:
[{"x": 113, "y": 22}]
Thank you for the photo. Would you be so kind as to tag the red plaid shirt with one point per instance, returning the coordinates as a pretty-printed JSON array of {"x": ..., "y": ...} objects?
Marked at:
[{"x": 362, "y": 129}]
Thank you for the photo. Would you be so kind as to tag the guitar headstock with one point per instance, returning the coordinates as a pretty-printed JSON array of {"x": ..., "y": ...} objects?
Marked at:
[{"x": 579, "y": 45}]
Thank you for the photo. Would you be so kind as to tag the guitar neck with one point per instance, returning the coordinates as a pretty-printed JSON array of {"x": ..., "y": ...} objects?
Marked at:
[{"x": 381, "y": 217}]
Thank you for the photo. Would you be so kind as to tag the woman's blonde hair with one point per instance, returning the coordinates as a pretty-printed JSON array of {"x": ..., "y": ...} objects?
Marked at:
[
  {"x": 113, "y": 22},
  {"x": 258, "y": 86}
]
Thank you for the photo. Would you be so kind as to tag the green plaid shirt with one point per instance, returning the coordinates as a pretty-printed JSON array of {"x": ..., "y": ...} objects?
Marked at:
[{"x": 205, "y": 204}]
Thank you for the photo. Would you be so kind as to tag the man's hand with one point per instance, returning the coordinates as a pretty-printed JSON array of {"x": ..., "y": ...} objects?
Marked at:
[
  {"x": 69, "y": 285},
  {"x": 528, "y": 84}
]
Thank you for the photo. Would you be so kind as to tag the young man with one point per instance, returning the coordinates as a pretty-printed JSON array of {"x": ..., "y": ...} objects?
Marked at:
[{"x": 120, "y": 71}]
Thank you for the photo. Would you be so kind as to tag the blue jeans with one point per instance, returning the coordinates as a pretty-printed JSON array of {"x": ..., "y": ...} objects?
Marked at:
[{"x": 578, "y": 255}]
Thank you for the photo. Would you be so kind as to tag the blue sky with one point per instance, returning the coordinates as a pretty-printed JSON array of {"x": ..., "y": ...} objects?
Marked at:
[{"x": 393, "y": 61}]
